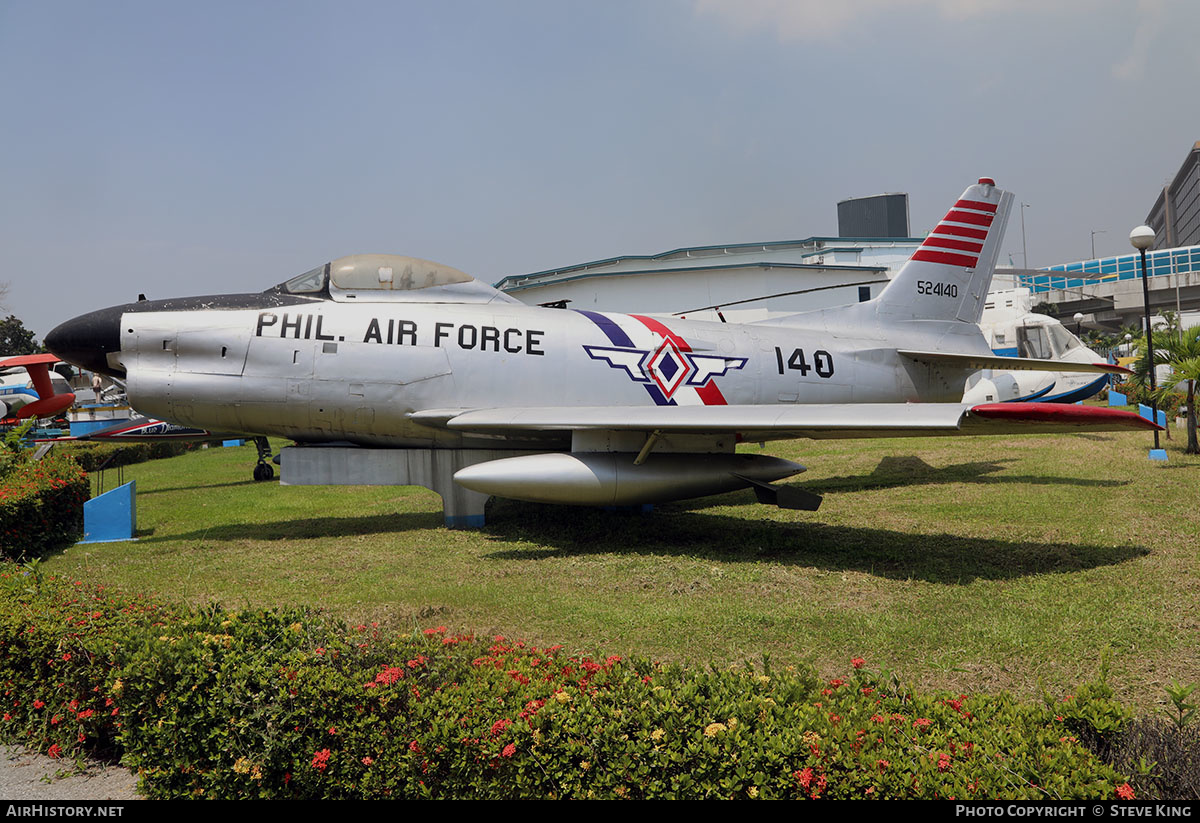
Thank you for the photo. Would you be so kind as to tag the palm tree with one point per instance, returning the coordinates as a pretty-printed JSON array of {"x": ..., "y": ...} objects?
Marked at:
[{"x": 1179, "y": 349}]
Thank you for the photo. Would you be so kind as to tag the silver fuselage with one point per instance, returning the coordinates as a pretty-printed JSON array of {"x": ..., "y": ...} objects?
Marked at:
[{"x": 325, "y": 370}]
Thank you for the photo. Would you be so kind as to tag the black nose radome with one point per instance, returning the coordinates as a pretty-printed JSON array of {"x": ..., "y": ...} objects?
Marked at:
[{"x": 87, "y": 340}]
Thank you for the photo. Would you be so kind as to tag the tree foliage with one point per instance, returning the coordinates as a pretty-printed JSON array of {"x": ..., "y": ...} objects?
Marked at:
[
  {"x": 1179, "y": 349},
  {"x": 15, "y": 338}
]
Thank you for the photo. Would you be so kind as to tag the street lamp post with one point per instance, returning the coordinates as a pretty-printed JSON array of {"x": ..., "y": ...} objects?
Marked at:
[
  {"x": 1024, "y": 253},
  {"x": 1094, "y": 233},
  {"x": 1141, "y": 239}
]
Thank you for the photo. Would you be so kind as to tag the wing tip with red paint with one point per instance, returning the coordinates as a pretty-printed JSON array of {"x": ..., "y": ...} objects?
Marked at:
[{"x": 1064, "y": 415}]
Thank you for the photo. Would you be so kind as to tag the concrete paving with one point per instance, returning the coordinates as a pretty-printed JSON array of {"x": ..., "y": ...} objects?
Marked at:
[{"x": 25, "y": 775}]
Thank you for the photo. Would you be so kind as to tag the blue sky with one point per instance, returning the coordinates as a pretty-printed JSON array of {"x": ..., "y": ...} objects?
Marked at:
[{"x": 173, "y": 149}]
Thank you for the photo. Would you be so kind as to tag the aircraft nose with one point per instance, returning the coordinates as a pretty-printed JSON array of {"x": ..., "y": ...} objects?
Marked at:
[{"x": 88, "y": 339}]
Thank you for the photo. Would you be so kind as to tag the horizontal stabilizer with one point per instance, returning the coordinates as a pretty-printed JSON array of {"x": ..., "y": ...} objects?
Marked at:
[{"x": 974, "y": 362}]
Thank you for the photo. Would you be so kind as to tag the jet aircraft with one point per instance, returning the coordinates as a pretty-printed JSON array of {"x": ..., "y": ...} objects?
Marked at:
[{"x": 389, "y": 352}]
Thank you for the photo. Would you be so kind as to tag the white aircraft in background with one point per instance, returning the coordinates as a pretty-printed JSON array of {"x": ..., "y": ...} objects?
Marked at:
[
  {"x": 1014, "y": 330},
  {"x": 390, "y": 352}
]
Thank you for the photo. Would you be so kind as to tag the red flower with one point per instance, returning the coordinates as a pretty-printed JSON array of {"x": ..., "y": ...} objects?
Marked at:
[
  {"x": 943, "y": 762},
  {"x": 56, "y": 752},
  {"x": 390, "y": 674},
  {"x": 1125, "y": 792},
  {"x": 37, "y": 704},
  {"x": 857, "y": 662},
  {"x": 320, "y": 760},
  {"x": 509, "y": 750}
]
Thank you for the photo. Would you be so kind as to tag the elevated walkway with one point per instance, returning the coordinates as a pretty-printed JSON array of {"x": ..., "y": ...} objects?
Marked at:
[{"x": 1112, "y": 304}]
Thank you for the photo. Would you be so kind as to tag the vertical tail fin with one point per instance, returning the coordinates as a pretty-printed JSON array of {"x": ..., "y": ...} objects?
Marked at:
[{"x": 948, "y": 276}]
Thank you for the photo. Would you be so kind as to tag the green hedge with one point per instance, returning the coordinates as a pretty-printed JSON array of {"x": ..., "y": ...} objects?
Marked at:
[
  {"x": 291, "y": 704},
  {"x": 95, "y": 456},
  {"x": 41, "y": 506}
]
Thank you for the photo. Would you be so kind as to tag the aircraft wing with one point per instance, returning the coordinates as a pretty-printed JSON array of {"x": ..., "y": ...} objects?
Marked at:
[
  {"x": 817, "y": 421},
  {"x": 976, "y": 362}
]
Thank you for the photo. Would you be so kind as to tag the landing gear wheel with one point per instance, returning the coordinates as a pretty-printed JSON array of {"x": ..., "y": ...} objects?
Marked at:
[{"x": 264, "y": 470}]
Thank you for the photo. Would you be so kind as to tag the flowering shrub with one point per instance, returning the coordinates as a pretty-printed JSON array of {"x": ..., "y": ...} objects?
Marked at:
[
  {"x": 291, "y": 704},
  {"x": 41, "y": 506}
]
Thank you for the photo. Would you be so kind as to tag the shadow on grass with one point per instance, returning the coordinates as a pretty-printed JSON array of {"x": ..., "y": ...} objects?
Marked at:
[
  {"x": 669, "y": 531},
  {"x": 894, "y": 472},
  {"x": 913, "y": 471},
  {"x": 694, "y": 529},
  {"x": 309, "y": 528},
  {"x": 201, "y": 486}
]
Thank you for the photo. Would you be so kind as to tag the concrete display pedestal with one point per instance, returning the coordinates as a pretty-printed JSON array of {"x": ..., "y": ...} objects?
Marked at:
[{"x": 432, "y": 468}]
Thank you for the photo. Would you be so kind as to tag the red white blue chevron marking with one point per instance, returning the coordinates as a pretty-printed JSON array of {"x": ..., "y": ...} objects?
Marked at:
[{"x": 661, "y": 360}]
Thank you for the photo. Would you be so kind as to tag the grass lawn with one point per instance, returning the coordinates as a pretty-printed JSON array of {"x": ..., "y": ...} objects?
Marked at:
[{"x": 966, "y": 564}]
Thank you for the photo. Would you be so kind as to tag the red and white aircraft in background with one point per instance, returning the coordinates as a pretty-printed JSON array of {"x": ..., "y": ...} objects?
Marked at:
[{"x": 35, "y": 392}]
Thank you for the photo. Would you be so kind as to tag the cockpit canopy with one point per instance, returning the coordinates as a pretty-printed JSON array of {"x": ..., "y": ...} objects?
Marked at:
[{"x": 392, "y": 277}]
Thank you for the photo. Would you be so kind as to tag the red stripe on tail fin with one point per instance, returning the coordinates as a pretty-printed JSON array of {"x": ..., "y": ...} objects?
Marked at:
[{"x": 945, "y": 257}]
